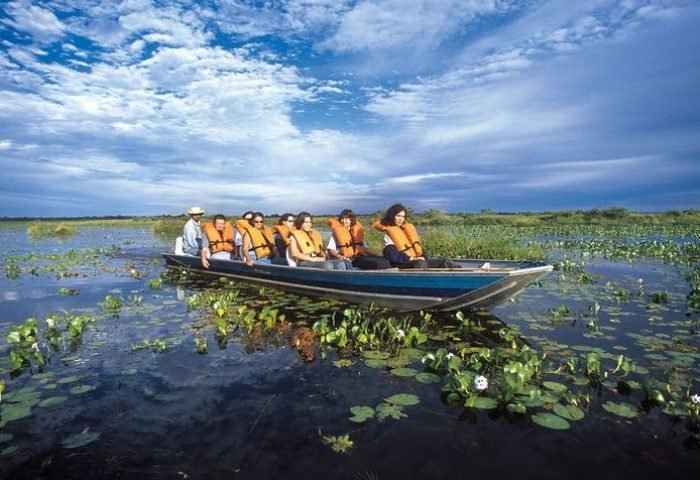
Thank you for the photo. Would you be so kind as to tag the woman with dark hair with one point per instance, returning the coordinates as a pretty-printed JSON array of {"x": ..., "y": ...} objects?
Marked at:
[
  {"x": 281, "y": 233},
  {"x": 347, "y": 243},
  {"x": 402, "y": 245},
  {"x": 306, "y": 246},
  {"x": 258, "y": 245}
]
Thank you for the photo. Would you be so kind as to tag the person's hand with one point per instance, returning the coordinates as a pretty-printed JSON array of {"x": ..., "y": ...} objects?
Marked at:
[
  {"x": 205, "y": 263},
  {"x": 249, "y": 262}
]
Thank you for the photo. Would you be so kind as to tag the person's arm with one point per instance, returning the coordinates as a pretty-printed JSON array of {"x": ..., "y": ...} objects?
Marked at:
[
  {"x": 331, "y": 248},
  {"x": 245, "y": 250},
  {"x": 395, "y": 257},
  {"x": 205, "y": 252}
]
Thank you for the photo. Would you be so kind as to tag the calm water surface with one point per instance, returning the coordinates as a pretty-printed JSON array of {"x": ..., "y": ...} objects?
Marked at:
[{"x": 255, "y": 410}]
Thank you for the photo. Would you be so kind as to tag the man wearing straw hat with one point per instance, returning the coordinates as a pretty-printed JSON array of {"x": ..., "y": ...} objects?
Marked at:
[{"x": 192, "y": 233}]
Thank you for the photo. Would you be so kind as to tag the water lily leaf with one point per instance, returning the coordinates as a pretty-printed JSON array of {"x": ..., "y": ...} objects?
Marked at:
[
  {"x": 14, "y": 411},
  {"x": 482, "y": 403},
  {"x": 361, "y": 413},
  {"x": 71, "y": 379},
  {"x": 550, "y": 420},
  {"x": 426, "y": 377},
  {"x": 9, "y": 450},
  {"x": 22, "y": 395},
  {"x": 622, "y": 409},
  {"x": 397, "y": 362},
  {"x": 80, "y": 440},
  {"x": 569, "y": 412},
  {"x": 413, "y": 353},
  {"x": 389, "y": 410},
  {"x": 376, "y": 355},
  {"x": 6, "y": 437},
  {"x": 79, "y": 389},
  {"x": 404, "y": 399},
  {"x": 52, "y": 401},
  {"x": 375, "y": 363},
  {"x": 555, "y": 386},
  {"x": 129, "y": 371},
  {"x": 405, "y": 372}
]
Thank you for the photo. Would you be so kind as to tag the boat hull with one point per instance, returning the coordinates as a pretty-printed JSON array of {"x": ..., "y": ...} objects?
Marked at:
[{"x": 444, "y": 290}]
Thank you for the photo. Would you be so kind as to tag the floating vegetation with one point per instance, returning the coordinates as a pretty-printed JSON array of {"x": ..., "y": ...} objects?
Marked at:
[
  {"x": 156, "y": 345},
  {"x": 38, "y": 230},
  {"x": 339, "y": 444}
]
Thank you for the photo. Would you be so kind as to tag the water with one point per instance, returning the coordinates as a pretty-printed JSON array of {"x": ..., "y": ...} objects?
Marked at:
[{"x": 253, "y": 409}]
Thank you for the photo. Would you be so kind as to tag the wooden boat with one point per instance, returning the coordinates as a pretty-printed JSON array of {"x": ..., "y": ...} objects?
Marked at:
[{"x": 476, "y": 285}]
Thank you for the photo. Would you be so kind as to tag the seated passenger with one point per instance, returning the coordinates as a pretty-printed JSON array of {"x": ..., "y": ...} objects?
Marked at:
[
  {"x": 306, "y": 246},
  {"x": 281, "y": 233},
  {"x": 258, "y": 245},
  {"x": 239, "y": 228},
  {"x": 192, "y": 233},
  {"x": 217, "y": 241},
  {"x": 347, "y": 243},
  {"x": 402, "y": 245}
]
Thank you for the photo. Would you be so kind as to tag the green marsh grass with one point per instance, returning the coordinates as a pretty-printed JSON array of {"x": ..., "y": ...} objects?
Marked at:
[{"x": 38, "y": 230}]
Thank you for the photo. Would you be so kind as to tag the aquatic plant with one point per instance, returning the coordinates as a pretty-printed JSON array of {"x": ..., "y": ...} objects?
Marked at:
[
  {"x": 339, "y": 444},
  {"x": 111, "y": 304},
  {"x": 156, "y": 345},
  {"x": 39, "y": 230}
]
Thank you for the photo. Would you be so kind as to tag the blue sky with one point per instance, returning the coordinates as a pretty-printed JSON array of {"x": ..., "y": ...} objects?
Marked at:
[{"x": 138, "y": 107}]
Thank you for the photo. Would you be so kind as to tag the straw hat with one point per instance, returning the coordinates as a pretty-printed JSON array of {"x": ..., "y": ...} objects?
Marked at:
[{"x": 195, "y": 211}]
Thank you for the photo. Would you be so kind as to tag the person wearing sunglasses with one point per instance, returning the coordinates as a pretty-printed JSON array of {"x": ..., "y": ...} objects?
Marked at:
[{"x": 258, "y": 245}]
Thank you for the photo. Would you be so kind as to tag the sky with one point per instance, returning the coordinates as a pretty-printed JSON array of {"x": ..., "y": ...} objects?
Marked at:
[{"x": 141, "y": 107}]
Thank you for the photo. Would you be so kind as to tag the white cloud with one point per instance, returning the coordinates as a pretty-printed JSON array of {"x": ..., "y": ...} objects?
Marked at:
[{"x": 40, "y": 23}]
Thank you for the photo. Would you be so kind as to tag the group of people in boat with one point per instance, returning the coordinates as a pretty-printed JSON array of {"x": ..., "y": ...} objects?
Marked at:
[{"x": 294, "y": 241}]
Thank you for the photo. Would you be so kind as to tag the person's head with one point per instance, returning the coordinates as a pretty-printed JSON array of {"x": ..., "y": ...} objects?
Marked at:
[
  {"x": 195, "y": 213},
  {"x": 347, "y": 218},
  {"x": 286, "y": 219},
  {"x": 219, "y": 221},
  {"x": 257, "y": 219},
  {"x": 304, "y": 221},
  {"x": 394, "y": 216},
  {"x": 248, "y": 215}
]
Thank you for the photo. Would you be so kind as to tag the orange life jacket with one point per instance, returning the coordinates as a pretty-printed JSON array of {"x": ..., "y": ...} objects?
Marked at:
[
  {"x": 405, "y": 238},
  {"x": 309, "y": 243},
  {"x": 283, "y": 231},
  {"x": 261, "y": 241},
  {"x": 241, "y": 225},
  {"x": 219, "y": 241},
  {"x": 349, "y": 243}
]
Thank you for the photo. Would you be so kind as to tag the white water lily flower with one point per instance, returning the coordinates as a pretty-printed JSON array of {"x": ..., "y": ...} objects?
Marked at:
[
  {"x": 50, "y": 323},
  {"x": 449, "y": 355},
  {"x": 481, "y": 383},
  {"x": 400, "y": 333},
  {"x": 35, "y": 346},
  {"x": 695, "y": 399}
]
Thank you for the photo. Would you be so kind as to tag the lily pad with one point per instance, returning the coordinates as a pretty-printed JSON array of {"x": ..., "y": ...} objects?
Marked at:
[
  {"x": 482, "y": 403},
  {"x": 404, "y": 399},
  {"x": 14, "y": 411},
  {"x": 622, "y": 409},
  {"x": 9, "y": 450},
  {"x": 426, "y": 377},
  {"x": 376, "y": 355},
  {"x": 389, "y": 410},
  {"x": 80, "y": 389},
  {"x": 80, "y": 440},
  {"x": 375, "y": 362},
  {"x": 405, "y": 372},
  {"x": 52, "y": 401},
  {"x": 413, "y": 353},
  {"x": 569, "y": 412},
  {"x": 361, "y": 413},
  {"x": 555, "y": 386},
  {"x": 6, "y": 437},
  {"x": 71, "y": 379},
  {"x": 550, "y": 420}
]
